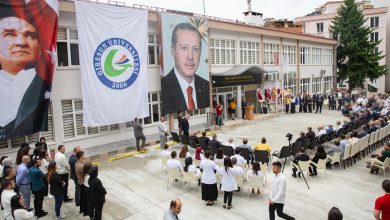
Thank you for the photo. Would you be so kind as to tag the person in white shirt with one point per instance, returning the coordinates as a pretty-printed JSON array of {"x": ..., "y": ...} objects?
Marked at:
[
  {"x": 254, "y": 172},
  {"x": 163, "y": 132},
  {"x": 63, "y": 169},
  {"x": 174, "y": 163},
  {"x": 18, "y": 210},
  {"x": 228, "y": 182},
  {"x": 338, "y": 125},
  {"x": 321, "y": 130},
  {"x": 6, "y": 195},
  {"x": 278, "y": 193},
  {"x": 165, "y": 152},
  {"x": 240, "y": 159},
  {"x": 231, "y": 144},
  {"x": 189, "y": 167},
  {"x": 209, "y": 180}
]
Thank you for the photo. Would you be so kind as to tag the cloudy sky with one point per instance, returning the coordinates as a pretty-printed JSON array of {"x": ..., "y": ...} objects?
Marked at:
[{"x": 233, "y": 9}]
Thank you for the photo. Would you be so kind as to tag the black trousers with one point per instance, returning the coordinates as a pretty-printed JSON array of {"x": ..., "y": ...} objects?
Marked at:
[
  {"x": 98, "y": 208},
  {"x": 279, "y": 211},
  {"x": 309, "y": 106},
  {"x": 38, "y": 201},
  {"x": 287, "y": 107},
  {"x": 82, "y": 198},
  {"x": 228, "y": 197},
  {"x": 243, "y": 113},
  {"x": 65, "y": 178},
  {"x": 319, "y": 107},
  {"x": 137, "y": 139},
  {"x": 76, "y": 192}
]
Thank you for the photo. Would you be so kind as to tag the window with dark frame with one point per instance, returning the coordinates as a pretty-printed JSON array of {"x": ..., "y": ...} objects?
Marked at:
[
  {"x": 374, "y": 22},
  {"x": 320, "y": 27}
]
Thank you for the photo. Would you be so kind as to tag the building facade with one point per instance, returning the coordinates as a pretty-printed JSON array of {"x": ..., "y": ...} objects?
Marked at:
[
  {"x": 298, "y": 62},
  {"x": 319, "y": 24}
]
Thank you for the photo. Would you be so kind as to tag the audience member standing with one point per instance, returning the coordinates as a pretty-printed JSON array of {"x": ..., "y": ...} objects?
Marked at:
[
  {"x": 1, "y": 166},
  {"x": 278, "y": 193},
  {"x": 185, "y": 125},
  {"x": 382, "y": 204},
  {"x": 19, "y": 212},
  {"x": 209, "y": 181},
  {"x": 37, "y": 187},
  {"x": 163, "y": 132},
  {"x": 138, "y": 133},
  {"x": 23, "y": 180},
  {"x": 63, "y": 169},
  {"x": 72, "y": 162},
  {"x": 233, "y": 106},
  {"x": 44, "y": 164},
  {"x": 24, "y": 150},
  {"x": 88, "y": 210},
  {"x": 8, "y": 191},
  {"x": 98, "y": 192},
  {"x": 43, "y": 142},
  {"x": 179, "y": 121},
  {"x": 56, "y": 188},
  {"x": 218, "y": 110},
  {"x": 228, "y": 182},
  {"x": 174, "y": 210},
  {"x": 79, "y": 167}
]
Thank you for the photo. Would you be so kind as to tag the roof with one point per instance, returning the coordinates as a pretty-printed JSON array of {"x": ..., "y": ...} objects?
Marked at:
[{"x": 237, "y": 70}]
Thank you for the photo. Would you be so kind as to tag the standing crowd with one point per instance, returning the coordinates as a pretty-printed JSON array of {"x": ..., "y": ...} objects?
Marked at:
[{"x": 41, "y": 176}]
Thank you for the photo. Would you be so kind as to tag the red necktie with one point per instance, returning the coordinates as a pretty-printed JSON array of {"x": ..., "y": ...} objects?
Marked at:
[{"x": 191, "y": 103}]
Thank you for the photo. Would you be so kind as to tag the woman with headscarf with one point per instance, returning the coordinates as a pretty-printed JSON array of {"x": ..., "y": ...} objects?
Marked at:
[{"x": 98, "y": 193}]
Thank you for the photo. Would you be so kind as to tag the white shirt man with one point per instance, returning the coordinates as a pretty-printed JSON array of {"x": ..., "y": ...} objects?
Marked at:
[
  {"x": 62, "y": 164},
  {"x": 6, "y": 196},
  {"x": 165, "y": 153},
  {"x": 174, "y": 163},
  {"x": 322, "y": 132},
  {"x": 359, "y": 100},
  {"x": 240, "y": 159},
  {"x": 230, "y": 143},
  {"x": 356, "y": 108}
]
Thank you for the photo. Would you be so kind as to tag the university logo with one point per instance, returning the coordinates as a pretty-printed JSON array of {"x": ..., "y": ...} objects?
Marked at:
[{"x": 116, "y": 63}]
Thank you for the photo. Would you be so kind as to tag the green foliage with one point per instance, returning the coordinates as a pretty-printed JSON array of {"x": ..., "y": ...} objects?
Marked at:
[{"x": 356, "y": 55}]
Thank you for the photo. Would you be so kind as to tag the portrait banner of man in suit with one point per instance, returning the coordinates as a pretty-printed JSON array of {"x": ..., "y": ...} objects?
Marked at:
[
  {"x": 185, "y": 81},
  {"x": 28, "y": 36}
]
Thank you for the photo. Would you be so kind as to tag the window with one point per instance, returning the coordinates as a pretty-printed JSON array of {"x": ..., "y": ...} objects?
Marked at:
[
  {"x": 327, "y": 83},
  {"x": 374, "y": 22},
  {"x": 249, "y": 52},
  {"x": 154, "y": 109},
  {"x": 271, "y": 54},
  {"x": 289, "y": 54},
  {"x": 153, "y": 49},
  {"x": 72, "y": 118},
  {"x": 289, "y": 82},
  {"x": 316, "y": 56},
  {"x": 376, "y": 50},
  {"x": 67, "y": 47},
  {"x": 374, "y": 37},
  {"x": 316, "y": 85},
  {"x": 305, "y": 84},
  {"x": 328, "y": 57},
  {"x": 222, "y": 52},
  {"x": 320, "y": 27},
  {"x": 305, "y": 55}
]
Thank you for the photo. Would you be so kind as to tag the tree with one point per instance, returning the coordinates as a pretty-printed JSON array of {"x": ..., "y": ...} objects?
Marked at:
[{"x": 357, "y": 56}]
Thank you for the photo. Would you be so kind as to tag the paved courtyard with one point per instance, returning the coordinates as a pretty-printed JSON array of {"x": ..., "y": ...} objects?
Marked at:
[{"x": 137, "y": 188}]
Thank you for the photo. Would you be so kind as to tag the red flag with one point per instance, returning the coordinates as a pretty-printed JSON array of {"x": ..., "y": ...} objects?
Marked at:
[
  {"x": 260, "y": 95},
  {"x": 276, "y": 57}
]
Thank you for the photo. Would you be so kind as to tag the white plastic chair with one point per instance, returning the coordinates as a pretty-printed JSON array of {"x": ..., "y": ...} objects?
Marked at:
[
  {"x": 264, "y": 172},
  {"x": 190, "y": 177},
  {"x": 321, "y": 165},
  {"x": 182, "y": 161},
  {"x": 303, "y": 165},
  {"x": 382, "y": 165},
  {"x": 163, "y": 163},
  {"x": 335, "y": 159},
  {"x": 347, "y": 154},
  {"x": 197, "y": 162},
  {"x": 240, "y": 183},
  {"x": 173, "y": 173},
  {"x": 255, "y": 182}
]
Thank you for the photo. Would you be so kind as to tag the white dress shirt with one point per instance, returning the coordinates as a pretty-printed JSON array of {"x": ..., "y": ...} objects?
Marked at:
[
  {"x": 208, "y": 175},
  {"x": 238, "y": 170},
  {"x": 184, "y": 85},
  {"x": 6, "y": 196},
  {"x": 23, "y": 214},
  {"x": 165, "y": 153},
  {"x": 62, "y": 164},
  {"x": 278, "y": 193},
  {"x": 323, "y": 131},
  {"x": 231, "y": 145},
  {"x": 12, "y": 89},
  {"x": 192, "y": 168},
  {"x": 174, "y": 163},
  {"x": 240, "y": 159}
]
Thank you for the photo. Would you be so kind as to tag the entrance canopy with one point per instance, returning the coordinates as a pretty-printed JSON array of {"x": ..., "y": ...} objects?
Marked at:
[{"x": 238, "y": 75}]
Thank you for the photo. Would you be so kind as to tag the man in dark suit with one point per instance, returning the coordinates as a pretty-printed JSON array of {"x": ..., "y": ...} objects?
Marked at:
[
  {"x": 181, "y": 88},
  {"x": 301, "y": 156},
  {"x": 138, "y": 133},
  {"x": 310, "y": 133},
  {"x": 320, "y": 101},
  {"x": 185, "y": 126},
  {"x": 24, "y": 96}
]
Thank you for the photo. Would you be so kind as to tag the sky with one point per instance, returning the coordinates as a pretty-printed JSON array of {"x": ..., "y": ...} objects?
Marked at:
[{"x": 233, "y": 9}]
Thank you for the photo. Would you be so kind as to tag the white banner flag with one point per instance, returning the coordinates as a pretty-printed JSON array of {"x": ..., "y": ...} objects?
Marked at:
[{"x": 113, "y": 44}]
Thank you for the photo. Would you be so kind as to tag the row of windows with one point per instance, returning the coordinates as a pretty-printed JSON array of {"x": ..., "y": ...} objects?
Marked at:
[
  {"x": 318, "y": 56},
  {"x": 316, "y": 85},
  {"x": 222, "y": 52},
  {"x": 374, "y": 23}
]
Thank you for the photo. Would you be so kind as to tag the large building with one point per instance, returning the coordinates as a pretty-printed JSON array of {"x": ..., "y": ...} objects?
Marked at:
[
  {"x": 300, "y": 62},
  {"x": 318, "y": 23}
]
